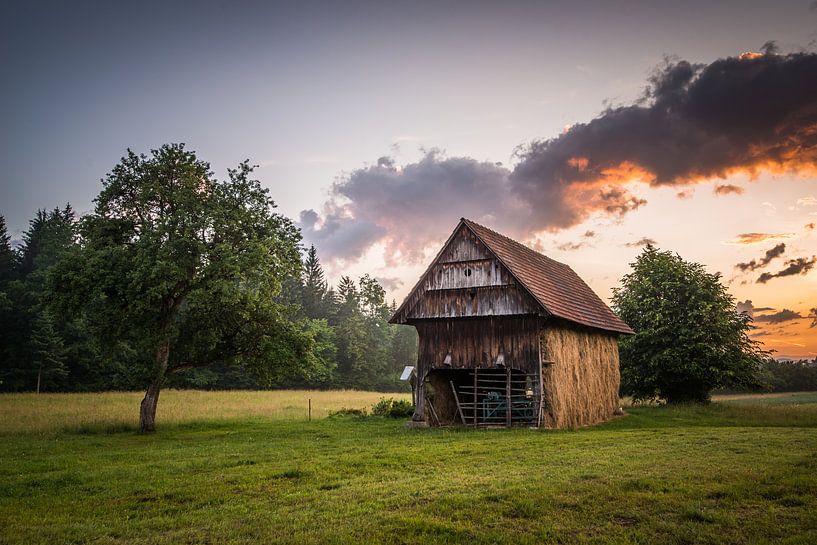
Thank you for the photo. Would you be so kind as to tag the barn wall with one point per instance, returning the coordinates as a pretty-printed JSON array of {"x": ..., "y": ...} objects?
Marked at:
[
  {"x": 460, "y": 303},
  {"x": 477, "y": 342},
  {"x": 581, "y": 386}
]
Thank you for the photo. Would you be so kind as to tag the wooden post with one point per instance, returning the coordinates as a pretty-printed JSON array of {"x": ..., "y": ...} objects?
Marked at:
[
  {"x": 420, "y": 408},
  {"x": 434, "y": 412},
  {"x": 457, "y": 399},
  {"x": 476, "y": 369},
  {"x": 541, "y": 396},
  {"x": 508, "y": 399},
  {"x": 309, "y": 418}
]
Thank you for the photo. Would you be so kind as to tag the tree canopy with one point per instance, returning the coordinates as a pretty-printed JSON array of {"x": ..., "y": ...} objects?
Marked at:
[
  {"x": 180, "y": 279},
  {"x": 690, "y": 339},
  {"x": 183, "y": 269}
]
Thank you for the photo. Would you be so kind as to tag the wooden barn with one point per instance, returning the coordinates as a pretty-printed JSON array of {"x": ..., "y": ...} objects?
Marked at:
[{"x": 509, "y": 337}]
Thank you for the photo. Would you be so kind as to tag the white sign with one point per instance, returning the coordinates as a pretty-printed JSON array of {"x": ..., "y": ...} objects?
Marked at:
[{"x": 407, "y": 371}]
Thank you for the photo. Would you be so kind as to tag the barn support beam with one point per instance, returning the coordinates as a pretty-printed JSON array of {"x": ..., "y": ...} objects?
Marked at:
[{"x": 420, "y": 407}]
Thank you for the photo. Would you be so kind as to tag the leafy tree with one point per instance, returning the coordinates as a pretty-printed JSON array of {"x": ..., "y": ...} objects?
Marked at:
[
  {"x": 179, "y": 270},
  {"x": 689, "y": 338}
]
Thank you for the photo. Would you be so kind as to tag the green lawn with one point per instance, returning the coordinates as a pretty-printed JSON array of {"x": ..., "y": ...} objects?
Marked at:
[{"x": 727, "y": 473}]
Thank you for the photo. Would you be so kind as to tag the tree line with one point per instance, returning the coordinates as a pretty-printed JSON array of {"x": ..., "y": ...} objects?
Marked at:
[{"x": 175, "y": 269}]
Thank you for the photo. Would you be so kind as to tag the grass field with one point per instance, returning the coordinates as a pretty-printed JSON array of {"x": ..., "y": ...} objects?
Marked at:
[{"x": 737, "y": 471}]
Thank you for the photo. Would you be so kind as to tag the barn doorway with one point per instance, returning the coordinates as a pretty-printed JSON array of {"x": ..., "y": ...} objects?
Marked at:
[{"x": 482, "y": 397}]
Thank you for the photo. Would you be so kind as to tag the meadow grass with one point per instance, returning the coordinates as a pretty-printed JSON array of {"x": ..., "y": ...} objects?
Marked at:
[
  {"x": 724, "y": 473},
  {"x": 118, "y": 411}
]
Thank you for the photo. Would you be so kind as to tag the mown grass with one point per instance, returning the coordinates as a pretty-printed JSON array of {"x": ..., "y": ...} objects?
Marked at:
[{"x": 727, "y": 473}]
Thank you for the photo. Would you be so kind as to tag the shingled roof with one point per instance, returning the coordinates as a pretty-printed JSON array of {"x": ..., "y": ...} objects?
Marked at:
[{"x": 555, "y": 286}]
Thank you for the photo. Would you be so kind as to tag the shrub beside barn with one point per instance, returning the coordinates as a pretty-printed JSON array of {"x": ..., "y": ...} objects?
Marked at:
[{"x": 508, "y": 336}]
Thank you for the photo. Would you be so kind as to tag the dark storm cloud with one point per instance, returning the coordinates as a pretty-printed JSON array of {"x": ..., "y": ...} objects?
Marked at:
[
  {"x": 697, "y": 122},
  {"x": 694, "y": 123},
  {"x": 801, "y": 265},
  {"x": 784, "y": 315},
  {"x": 770, "y": 254}
]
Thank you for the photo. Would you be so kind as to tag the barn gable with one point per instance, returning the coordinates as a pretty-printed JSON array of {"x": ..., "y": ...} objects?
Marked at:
[
  {"x": 466, "y": 279},
  {"x": 479, "y": 272}
]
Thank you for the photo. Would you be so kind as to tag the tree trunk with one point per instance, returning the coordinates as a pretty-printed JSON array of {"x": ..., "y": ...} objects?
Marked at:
[
  {"x": 39, "y": 376},
  {"x": 147, "y": 409}
]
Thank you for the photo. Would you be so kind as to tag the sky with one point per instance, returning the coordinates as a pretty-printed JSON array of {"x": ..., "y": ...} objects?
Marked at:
[{"x": 584, "y": 129}]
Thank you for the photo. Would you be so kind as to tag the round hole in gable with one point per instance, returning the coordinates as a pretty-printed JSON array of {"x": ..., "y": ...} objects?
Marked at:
[{"x": 467, "y": 272}]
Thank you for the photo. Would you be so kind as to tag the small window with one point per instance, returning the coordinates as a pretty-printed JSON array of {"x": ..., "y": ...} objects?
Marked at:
[{"x": 467, "y": 272}]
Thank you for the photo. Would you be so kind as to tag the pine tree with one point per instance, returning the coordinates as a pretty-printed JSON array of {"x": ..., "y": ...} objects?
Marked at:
[
  {"x": 314, "y": 302},
  {"x": 47, "y": 351},
  {"x": 8, "y": 258}
]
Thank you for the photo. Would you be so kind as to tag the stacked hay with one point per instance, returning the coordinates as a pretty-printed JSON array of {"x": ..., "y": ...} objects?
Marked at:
[
  {"x": 581, "y": 385},
  {"x": 438, "y": 395}
]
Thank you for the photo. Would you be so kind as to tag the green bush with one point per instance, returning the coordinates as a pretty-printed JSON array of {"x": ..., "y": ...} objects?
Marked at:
[
  {"x": 355, "y": 413},
  {"x": 393, "y": 408},
  {"x": 401, "y": 409}
]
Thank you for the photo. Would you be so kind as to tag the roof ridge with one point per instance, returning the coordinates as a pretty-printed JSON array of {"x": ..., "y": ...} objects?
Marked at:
[{"x": 514, "y": 242}]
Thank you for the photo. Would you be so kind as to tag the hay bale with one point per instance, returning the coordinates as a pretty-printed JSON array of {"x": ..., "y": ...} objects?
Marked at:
[{"x": 581, "y": 386}]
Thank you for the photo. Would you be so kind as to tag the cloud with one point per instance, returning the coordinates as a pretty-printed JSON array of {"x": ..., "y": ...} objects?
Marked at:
[
  {"x": 728, "y": 189},
  {"x": 643, "y": 241},
  {"x": 812, "y": 313},
  {"x": 409, "y": 207},
  {"x": 571, "y": 246},
  {"x": 389, "y": 283},
  {"x": 694, "y": 123},
  {"x": 747, "y": 307},
  {"x": 807, "y": 201},
  {"x": 784, "y": 315},
  {"x": 756, "y": 238},
  {"x": 810, "y": 226},
  {"x": 770, "y": 254},
  {"x": 338, "y": 236},
  {"x": 801, "y": 265}
]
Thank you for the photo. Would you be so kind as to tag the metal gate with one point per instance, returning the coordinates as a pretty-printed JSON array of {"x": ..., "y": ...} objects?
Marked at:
[{"x": 498, "y": 397}]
